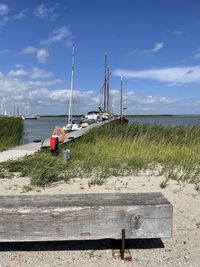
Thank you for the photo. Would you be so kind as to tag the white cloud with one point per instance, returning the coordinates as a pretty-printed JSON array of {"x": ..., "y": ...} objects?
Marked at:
[
  {"x": 11, "y": 86},
  {"x": 62, "y": 34},
  {"x": 3, "y": 51},
  {"x": 132, "y": 100},
  {"x": 38, "y": 73},
  {"x": 18, "y": 73},
  {"x": 21, "y": 14},
  {"x": 59, "y": 35},
  {"x": 19, "y": 66},
  {"x": 178, "y": 32},
  {"x": 3, "y": 9},
  {"x": 156, "y": 48},
  {"x": 41, "y": 54},
  {"x": 41, "y": 95},
  {"x": 40, "y": 11},
  {"x": 3, "y": 15},
  {"x": 45, "y": 95},
  {"x": 3, "y": 21},
  {"x": 197, "y": 55},
  {"x": 46, "y": 83},
  {"x": 176, "y": 75},
  {"x": 29, "y": 50},
  {"x": 150, "y": 104},
  {"x": 44, "y": 12}
]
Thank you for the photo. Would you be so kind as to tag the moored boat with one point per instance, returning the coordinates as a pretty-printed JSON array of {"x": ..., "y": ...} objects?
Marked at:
[{"x": 32, "y": 117}]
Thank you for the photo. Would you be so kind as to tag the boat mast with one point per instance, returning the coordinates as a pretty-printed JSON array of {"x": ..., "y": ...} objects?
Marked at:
[
  {"x": 4, "y": 107},
  {"x": 121, "y": 100},
  {"x": 105, "y": 85},
  {"x": 71, "y": 88},
  {"x": 108, "y": 88}
]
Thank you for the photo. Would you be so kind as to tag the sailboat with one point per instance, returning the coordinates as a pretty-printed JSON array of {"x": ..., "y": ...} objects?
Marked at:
[
  {"x": 105, "y": 93},
  {"x": 71, "y": 126},
  {"x": 4, "y": 107},
  {"x": 122, "y": 118},
  {"x": 28, "y": 113}
]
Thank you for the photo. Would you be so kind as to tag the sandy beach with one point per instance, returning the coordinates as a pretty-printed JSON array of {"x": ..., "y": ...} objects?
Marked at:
[{"x": 181, "y": 250}]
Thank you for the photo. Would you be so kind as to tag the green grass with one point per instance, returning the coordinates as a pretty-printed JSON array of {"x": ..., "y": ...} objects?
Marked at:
[
  {"x": 114, "y": 150},
  {"x": 11, "y": 132}
]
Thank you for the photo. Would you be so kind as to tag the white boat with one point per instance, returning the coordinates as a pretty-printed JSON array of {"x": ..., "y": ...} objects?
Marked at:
[
  {"x": 76, "y": 127},
  {"x": 32, "y": 117},
  {"x": 67, "y": 127},
  {"x": 84, "y": 124},
  {"x": 97, "y": 116},
  {"x": 73, "y": 126},
  {"x": 105, "y": 115},
  {"x": 93, "y": 115}
]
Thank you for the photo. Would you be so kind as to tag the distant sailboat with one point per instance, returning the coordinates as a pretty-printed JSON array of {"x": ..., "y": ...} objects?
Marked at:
[
  {"x": 28, "y": 114},
  {"x": 70, "y": 125},
  {"x": 4, "y": 107},
  {"x": 32, "y": 117}
]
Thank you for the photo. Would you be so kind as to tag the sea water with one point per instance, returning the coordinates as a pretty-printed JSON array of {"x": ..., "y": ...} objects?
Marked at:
[{"x": 43, "y": 127}]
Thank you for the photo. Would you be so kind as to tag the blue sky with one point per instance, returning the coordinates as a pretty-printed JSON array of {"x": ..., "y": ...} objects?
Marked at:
[{"x": 154, "y": 44}]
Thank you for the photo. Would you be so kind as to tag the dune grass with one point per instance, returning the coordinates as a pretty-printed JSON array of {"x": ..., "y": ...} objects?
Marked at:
[
  {"x": 11, "y": 132},
  {"x": 173, "y": 151}
]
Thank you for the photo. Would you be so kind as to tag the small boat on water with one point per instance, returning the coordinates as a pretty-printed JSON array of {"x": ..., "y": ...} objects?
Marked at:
[
  {"x": 32, "y": 117},
  {"x": 93, "y": 115}
]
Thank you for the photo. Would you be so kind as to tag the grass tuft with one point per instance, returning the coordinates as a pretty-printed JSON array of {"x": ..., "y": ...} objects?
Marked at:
[
  {"x": 11, "y": 132},
  {"x": 116, "y": 150},
  {"x": 164, "y": 184}
]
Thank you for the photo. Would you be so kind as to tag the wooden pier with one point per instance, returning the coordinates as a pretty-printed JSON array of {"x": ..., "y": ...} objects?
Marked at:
[
  {"x": 75, "y": 134},
  {"x": 28, "y": 149}
]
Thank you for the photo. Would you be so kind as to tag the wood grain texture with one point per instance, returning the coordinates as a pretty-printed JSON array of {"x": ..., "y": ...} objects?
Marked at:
[{"x": 84, "y": 216}]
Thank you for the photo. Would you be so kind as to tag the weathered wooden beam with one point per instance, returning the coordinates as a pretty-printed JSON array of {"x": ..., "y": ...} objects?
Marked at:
[{"x": 84, "y": 216}]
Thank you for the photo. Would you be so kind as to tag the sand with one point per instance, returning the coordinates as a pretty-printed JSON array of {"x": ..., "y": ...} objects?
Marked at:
[{"x": 183, "y": 249}]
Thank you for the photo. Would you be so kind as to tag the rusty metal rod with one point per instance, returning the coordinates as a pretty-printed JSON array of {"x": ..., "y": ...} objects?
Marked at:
[{"x": 123, "y": 244}]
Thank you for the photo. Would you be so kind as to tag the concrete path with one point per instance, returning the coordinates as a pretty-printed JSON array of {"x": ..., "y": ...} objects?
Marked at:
[
  {"x": 19, "y": 151},
  {"x": 28, "y": 149}
]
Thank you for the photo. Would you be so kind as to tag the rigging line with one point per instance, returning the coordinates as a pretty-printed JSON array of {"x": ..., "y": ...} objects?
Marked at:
[
  {"x": 101, "y": 96},
  {"x": 71, "y": 88}
]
